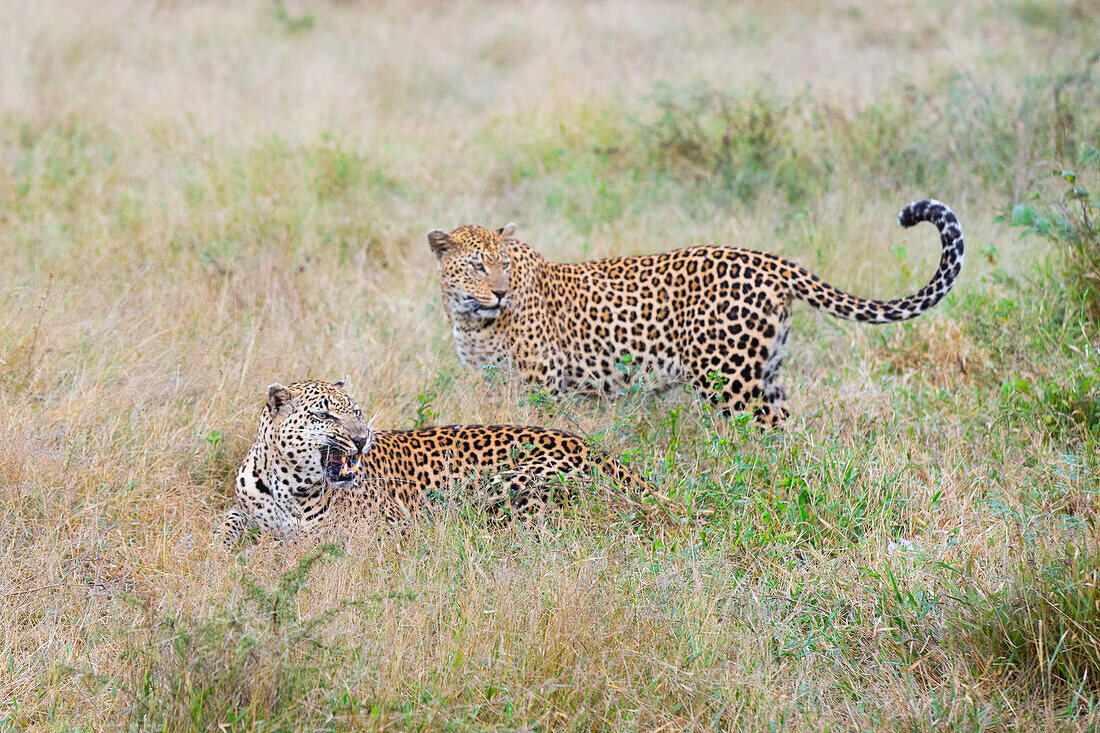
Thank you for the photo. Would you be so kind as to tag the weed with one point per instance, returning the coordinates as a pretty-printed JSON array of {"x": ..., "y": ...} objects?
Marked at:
[
  {"x": 1060, "y": 404},
  {"x": 1044, "y": 627},
  {"x": 1071, "y": 221},
  {"x": 424, "y": 413},
  {"x": 907, "y": 610},
  {"x": 290, "y": 23},
  {"x": 238, "y": 666},
  {"x": 745, "y": 143}
]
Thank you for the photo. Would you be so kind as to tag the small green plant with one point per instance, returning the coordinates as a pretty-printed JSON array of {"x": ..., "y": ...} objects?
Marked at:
[
  {"x": 1059, "y": 403},
  {"x": 492, "y": 375},
  {"x": 1072, "y": 221},
  {"x": 424, "y": 412},
  {"x": 337, "y": 170},
  {"x": 626, "y": 366},
  {"x": 293, "y": 23},
  {"x": 538, "y": 397}
]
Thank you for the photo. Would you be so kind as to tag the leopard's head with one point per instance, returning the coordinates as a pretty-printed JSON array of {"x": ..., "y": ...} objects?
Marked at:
[
  {"x": 316, "y": 431},
  {"x": 474, "y": 269},
  {"x": 311, "y": 439}
]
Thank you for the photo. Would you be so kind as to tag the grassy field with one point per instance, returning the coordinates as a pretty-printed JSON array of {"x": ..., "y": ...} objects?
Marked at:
[{"x": 197, "y": 200}]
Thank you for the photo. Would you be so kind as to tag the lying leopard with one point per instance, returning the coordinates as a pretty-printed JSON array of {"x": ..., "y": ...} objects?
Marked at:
[
  {"x": 315, "y": 461},
  {"x": 715, "y": 317}
]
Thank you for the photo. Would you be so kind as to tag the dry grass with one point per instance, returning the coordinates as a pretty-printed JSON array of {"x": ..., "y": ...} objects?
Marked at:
[{"x": 198, "y": 200}]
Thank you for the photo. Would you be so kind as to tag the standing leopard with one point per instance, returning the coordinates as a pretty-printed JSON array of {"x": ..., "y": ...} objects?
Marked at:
[
  {"x": 316, "y": 462},
  {"x": 715, "y": 317}
]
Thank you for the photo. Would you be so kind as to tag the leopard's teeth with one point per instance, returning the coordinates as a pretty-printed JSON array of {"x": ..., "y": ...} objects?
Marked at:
[{"x": 348, "y": 467}]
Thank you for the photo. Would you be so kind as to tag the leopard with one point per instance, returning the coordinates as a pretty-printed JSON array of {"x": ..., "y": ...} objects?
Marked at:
[
  {"x": 316, "y": 462},
  {"x": 715, "y": 317}
]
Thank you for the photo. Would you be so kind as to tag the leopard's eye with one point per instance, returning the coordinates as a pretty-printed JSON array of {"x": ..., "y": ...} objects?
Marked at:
[
  {"x": 321, "y": 415},
  {"x": 506, "y": 263},
  {"x": 480, "y": 267},
  {"x": 358, "y": 413}
]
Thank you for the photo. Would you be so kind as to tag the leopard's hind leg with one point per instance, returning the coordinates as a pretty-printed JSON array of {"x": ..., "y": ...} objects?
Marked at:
[
  {"x": 774, "y": 398},
  {"x": 760, "y": 389}
]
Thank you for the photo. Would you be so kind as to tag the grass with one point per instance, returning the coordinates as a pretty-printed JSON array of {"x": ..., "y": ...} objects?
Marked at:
[{"x": 197, "y": 201}]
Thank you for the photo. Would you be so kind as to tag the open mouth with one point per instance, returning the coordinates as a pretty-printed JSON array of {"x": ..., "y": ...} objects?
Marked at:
[{"x": 341, "y": 468}]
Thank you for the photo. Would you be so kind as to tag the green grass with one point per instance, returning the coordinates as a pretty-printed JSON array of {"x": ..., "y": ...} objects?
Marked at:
[{"x": 212, "y": 199}]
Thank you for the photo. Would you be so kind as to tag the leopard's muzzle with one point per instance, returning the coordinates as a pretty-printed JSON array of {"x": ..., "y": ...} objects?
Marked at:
[{"x": 340, "y": 467}]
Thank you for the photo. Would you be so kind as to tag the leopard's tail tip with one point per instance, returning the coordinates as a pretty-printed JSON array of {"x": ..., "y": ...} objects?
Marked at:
[{"x": 927, "y": 210}]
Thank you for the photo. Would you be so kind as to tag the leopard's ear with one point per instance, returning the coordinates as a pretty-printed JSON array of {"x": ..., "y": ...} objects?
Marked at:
[
  {"x": 507, "y": 230},
  {"x": 342, "y": 382},
  {"x": 440, "y": 241},
  {"x": 278, "y": 397}
]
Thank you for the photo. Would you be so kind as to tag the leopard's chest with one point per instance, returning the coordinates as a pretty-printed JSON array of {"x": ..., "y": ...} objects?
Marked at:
[{"x": 480, "y": 342}]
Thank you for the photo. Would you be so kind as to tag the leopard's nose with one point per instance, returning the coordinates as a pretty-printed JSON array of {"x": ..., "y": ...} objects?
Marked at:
[
  {"x": 500, "y": 294},
  {"x": 359, "y": 442}
]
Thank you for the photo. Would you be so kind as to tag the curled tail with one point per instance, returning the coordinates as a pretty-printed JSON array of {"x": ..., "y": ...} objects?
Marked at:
[{"x": 822, "y": 295}]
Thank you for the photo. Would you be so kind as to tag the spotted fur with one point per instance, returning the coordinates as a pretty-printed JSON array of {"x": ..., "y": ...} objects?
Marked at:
[
  {"x": 715, "y": 317},
  {"x": 315, "y": 461}
]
